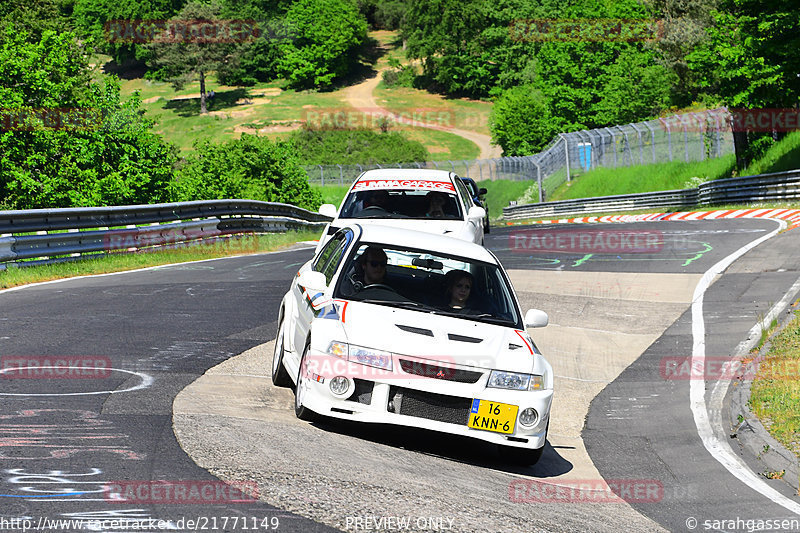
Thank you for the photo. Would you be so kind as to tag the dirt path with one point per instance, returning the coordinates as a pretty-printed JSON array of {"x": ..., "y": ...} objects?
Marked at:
[{"x": 360, "y": 97}]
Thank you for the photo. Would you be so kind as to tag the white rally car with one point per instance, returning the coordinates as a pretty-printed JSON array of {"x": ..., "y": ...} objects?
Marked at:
[
  {"x": 402, "y": 197},
  {"x": 395, "y": 350}
]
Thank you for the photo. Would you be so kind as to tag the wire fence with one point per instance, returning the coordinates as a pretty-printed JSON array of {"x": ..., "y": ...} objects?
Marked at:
[{"x": 686, "y": 137}]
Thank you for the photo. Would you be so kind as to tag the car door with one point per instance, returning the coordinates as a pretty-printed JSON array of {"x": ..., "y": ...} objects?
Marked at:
[
  {"x": 307, "y": 300},
  {"x": 475, "y": 223}
]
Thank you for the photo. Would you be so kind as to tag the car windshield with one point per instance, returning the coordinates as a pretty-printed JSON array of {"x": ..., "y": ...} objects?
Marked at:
[
  {"x": 429, "y": 282},
  {"x": 402, "y": 203}
]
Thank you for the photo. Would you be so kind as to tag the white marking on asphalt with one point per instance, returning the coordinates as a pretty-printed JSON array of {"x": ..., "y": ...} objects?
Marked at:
[
  {"x": 147, "y": 380},
  {"x": 719, "y": 448}
]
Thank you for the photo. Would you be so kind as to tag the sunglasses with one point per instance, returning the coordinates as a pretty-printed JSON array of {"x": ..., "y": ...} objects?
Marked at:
[{"x": 376, "y": 264}]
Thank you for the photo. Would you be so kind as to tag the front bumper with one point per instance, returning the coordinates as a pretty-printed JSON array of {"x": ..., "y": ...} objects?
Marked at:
[{"x": 420, "y": 400}]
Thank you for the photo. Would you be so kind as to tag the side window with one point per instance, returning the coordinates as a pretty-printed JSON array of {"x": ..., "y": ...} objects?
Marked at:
[
  {"x": 331, "y": 254},
  {"x": 465, "y": 197}
]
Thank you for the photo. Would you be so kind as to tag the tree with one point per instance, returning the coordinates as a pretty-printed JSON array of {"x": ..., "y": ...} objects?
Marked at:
[
  {"x": 68, "y": 140},
  {"x": 320, "y": 41},
  {"x": 521, "y": 122},
  {"x": 35, "y": 16},
  {"x": 251, "y": 167},
  {"x": 114, "y": 25},
  {"x": 191, "y": 55},
  {"x": 751, "y": 60}
]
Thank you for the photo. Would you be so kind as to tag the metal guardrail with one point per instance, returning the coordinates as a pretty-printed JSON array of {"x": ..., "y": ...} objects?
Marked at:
[
  {"x": 50, "y": 235},
  {"x": 762, "y": 188}
]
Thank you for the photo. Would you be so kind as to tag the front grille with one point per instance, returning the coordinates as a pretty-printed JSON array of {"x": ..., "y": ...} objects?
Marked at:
[
  {"x": 449, "y": 409},
  {"x": 362, "y": 392},
  {"x": 439, "y": 372}
]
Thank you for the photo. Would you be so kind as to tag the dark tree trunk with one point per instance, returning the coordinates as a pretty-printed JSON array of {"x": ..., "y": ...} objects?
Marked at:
[
  {"x": 741, "y": 145},
  {"x": 203, "y": 107}
]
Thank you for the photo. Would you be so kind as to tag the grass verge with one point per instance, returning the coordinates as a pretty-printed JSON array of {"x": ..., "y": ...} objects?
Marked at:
[
  {"x": 775, "y": 391},
  {"x": 120, "y": 262},
  {"x": 644, "y": 178}
]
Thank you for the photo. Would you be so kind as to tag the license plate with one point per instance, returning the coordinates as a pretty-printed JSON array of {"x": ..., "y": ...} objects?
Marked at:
[{"x": 492, "y": 416}]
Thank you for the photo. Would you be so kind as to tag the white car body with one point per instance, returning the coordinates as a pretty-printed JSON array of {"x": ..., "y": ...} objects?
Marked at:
[
  {"x": 399, "y": 361},
  {"x": 407, "y": 189}
]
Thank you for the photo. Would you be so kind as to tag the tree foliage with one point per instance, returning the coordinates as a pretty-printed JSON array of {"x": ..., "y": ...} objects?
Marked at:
[
  {"x": 251, "y": 167},
  {"x": 320, "y": 41},
  {"x": 191, "y": 57},
  {"x": 521, "y": 122},
  {"x": 68, "y": 140}
]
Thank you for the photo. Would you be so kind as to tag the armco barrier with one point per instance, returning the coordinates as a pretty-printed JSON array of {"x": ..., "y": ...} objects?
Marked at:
[
  {"x": 50, "y": 234},
  {"x": 778, "y": 186}
]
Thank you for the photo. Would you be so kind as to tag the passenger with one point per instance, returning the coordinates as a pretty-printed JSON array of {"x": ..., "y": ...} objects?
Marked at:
[
  {"x": 373, "y": 265},
  {"x": 459, "y": 287},
  {"x": 436, "y": 203}
]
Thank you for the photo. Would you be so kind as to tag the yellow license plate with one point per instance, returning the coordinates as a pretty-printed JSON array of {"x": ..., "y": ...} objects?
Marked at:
[{"x": 492, "y": 416}]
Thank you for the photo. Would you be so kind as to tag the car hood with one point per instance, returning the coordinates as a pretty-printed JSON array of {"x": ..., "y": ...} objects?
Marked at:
[
  {"x": 439, "y": 338},
  {"x": 452, "y": 228}
]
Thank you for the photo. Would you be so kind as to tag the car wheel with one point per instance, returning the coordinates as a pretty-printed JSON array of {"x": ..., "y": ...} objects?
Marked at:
[
  {"x": 302, "y": 412},
  {"x": 280, "y": 377}
]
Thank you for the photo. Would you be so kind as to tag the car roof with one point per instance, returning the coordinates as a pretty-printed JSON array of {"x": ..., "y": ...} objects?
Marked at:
[
  {"x": 406, "y": 178},
  {"x": 393, "y": 236}
]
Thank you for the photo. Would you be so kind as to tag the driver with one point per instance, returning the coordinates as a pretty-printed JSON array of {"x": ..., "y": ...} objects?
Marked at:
[
  {"x": 378, "y": 198},
  {"x": 373, "y": 264}
]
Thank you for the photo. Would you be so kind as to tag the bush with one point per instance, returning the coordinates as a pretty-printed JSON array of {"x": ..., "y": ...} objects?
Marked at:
[
  {"x": 402, "y": 77},
  {"x": 251, "y": 168},
  {"x": 355, "y": 146}
]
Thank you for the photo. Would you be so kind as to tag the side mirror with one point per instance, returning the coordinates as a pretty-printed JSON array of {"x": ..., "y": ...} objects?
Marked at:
[
  {"x": 476, "y": 212},
  {"x": 535, "y": 318},
  {"x": 482, "y": 191},
  {"x": 313, "y": 281},
  {"x": 329, "y": 210}
]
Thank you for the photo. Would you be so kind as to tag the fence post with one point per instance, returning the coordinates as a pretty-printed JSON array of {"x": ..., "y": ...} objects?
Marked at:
[
  {"x": 566, "y": 152},
  {"x": 341, "y": 175},
  {"x": 652, "y": 139},
  {"x": 321, "y": 175},
  {"x": 613, "y": 142},
  {"x": 641, "y": 151},
  {"x": 539, "y": 179}
]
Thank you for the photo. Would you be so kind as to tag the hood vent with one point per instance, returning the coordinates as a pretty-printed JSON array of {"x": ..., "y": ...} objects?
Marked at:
[
  {"x": 463, "y": 338},
  {"x": 418, "y": 331}
]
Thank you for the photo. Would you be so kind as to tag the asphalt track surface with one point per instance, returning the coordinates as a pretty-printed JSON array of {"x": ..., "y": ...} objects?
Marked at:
[{"x": 63, "y": 440}]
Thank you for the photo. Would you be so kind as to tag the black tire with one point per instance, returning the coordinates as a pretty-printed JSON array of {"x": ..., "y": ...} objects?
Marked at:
[
  {"x": 280, "y": 377},
  {"x": 302, "y": 412}
]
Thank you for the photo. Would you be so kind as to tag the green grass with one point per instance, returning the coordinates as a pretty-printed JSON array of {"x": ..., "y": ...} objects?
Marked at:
[
  {"x": 501, "y": 192},
  {"x": 784, "y": 155},
  {"x": 118, "y": 262},
  {"x": 775, "y": 391},
  {"x": 644, "y": 178},
  {"x": 332, "y": 194}
]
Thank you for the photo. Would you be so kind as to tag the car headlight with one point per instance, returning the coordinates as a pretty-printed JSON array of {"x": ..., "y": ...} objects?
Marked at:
[
  {"x": 361, "y": 355},
  {"x": 370, "y": 357},
  {"x": 500, "y": 379}
]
